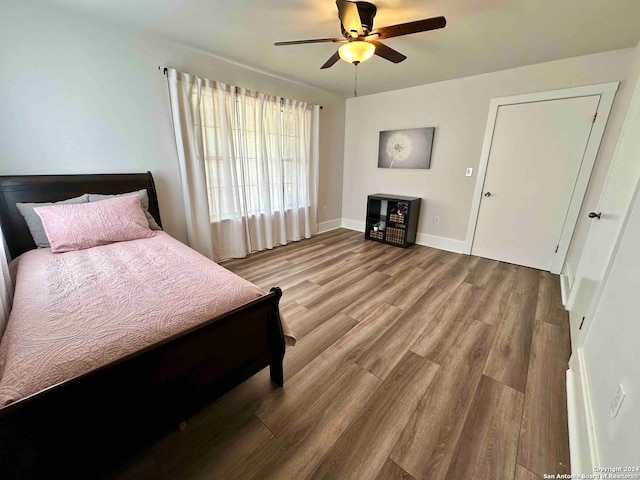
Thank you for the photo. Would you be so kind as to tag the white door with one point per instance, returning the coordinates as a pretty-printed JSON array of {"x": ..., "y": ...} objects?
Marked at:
[
  {"x": 536, "y": 154},
  {"x": 603, "y": 233}
]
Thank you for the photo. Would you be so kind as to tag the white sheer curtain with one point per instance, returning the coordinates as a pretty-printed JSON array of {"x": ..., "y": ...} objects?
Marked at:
[
  {"x": 5, "y": 287},
  {"x": 249, "y": 165}
]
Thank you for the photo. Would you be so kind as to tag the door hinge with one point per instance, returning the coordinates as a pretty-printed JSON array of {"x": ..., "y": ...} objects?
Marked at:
[
  {"x": 557, "y": 246},
  {"x": 581, "y": 323},
  {"x": 595, "y": 115}
]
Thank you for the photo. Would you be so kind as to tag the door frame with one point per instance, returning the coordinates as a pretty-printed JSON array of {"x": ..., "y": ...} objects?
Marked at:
[{"x": 607, "y": 92}]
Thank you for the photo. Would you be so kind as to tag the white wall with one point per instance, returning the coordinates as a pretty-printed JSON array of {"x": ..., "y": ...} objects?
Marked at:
[
  {"x": 458, "y": 109},
  {"x": 607, "y": 352},
  {"x": 612, "y": 353},
  {"x": 78, "y": 95}
]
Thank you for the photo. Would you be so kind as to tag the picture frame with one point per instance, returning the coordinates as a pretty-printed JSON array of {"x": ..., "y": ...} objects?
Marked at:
[{"x": 407, "y": 149}]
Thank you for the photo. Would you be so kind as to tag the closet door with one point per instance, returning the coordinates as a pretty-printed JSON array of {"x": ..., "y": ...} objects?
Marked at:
[{"x": 536, "y": 153}]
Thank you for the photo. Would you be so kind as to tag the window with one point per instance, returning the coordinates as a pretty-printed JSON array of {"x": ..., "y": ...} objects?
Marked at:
[{"x": 255, "y": 152}]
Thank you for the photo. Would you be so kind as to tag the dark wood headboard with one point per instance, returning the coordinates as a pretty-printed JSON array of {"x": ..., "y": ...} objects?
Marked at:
[{"x": 52, "y": 188}]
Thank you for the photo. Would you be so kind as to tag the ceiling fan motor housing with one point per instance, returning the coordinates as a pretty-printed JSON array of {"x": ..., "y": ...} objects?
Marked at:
[{"x": 367, "y": 12}]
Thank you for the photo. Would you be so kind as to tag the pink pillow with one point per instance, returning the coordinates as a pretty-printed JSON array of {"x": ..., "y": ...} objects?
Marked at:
[{"x": 86, "y": 225}]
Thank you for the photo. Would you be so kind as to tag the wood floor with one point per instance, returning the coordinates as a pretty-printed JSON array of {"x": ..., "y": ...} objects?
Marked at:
[{"x": 410, "y": 364}]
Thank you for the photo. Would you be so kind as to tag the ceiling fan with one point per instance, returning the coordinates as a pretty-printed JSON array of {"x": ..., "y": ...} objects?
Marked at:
[{"x": 361, "y": 40}]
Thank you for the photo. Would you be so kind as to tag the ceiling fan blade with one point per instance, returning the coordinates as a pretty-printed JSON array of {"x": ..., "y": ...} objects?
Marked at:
[
  {"x": 329, "y": 63},
  {"x": 410, "y": 27},
  {"x": 350, "y": 18},
  {"x": 314, "y": 40},
  {"x": 388, "y": 53}
]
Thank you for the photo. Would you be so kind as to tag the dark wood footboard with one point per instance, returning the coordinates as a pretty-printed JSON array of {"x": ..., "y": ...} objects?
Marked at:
[{"x": 78, "y": 427}]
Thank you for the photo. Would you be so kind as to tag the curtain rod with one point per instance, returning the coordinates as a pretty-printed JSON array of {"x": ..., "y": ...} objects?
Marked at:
[{"x": 164, "y": 69}]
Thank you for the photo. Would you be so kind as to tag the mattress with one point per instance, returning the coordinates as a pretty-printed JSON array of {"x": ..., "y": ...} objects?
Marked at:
[{"x": 76, "y": 311}]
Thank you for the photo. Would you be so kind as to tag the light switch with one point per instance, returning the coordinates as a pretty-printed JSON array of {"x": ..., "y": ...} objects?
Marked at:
[{"x": 469, "y": 171}]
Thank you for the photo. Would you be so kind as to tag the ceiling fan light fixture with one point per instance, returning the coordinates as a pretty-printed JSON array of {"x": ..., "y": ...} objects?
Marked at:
[{"x": 357, "y": 51}]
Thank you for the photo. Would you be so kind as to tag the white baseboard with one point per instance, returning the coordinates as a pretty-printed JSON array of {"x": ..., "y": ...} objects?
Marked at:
[
  {"x": 571, "y": 291},
  {"x": 583, "y": 447},
  {"x": 441, "y": 243},
  {"x": 353, "y": 225},
  {"x": 564, "y": 288},
  {"x": 568, "y": 269},
  {"x": 329, "y": 225},
  {"x": 575, "y": 450}
]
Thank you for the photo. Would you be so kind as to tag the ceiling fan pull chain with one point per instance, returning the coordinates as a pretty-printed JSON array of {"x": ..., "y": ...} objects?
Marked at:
[{"x": 355, "y": 86}]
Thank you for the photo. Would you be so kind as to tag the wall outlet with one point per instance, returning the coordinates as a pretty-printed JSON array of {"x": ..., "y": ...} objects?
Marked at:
[
  {"x": 436, "y": 219},
  {"x": 324, "y": 209},
  {"x": 469, "y": 171},
  {"x": 617, "y": 401}
]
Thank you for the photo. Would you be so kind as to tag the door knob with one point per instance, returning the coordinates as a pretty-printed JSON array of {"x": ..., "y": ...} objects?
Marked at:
[
  {"x": 595, "y": 215},
  {"x": 488, "y": 194}
]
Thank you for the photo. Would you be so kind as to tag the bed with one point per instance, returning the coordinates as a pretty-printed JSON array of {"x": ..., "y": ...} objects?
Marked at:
[{"x": 101, "y": 407}]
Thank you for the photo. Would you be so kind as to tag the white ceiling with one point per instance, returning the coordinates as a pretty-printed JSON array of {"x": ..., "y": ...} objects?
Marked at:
[{"x": 481, "y": 35}]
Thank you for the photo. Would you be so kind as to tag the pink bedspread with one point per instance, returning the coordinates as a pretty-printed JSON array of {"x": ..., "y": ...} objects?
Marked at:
[{"x": 76, "y": 311}]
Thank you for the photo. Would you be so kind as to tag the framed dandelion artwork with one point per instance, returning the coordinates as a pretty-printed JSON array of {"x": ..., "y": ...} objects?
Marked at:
[{"x": 410, "y": 148}]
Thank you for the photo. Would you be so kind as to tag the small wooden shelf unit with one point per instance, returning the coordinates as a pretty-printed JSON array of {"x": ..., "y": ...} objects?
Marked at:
[{"x": 397, "y": 217}]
